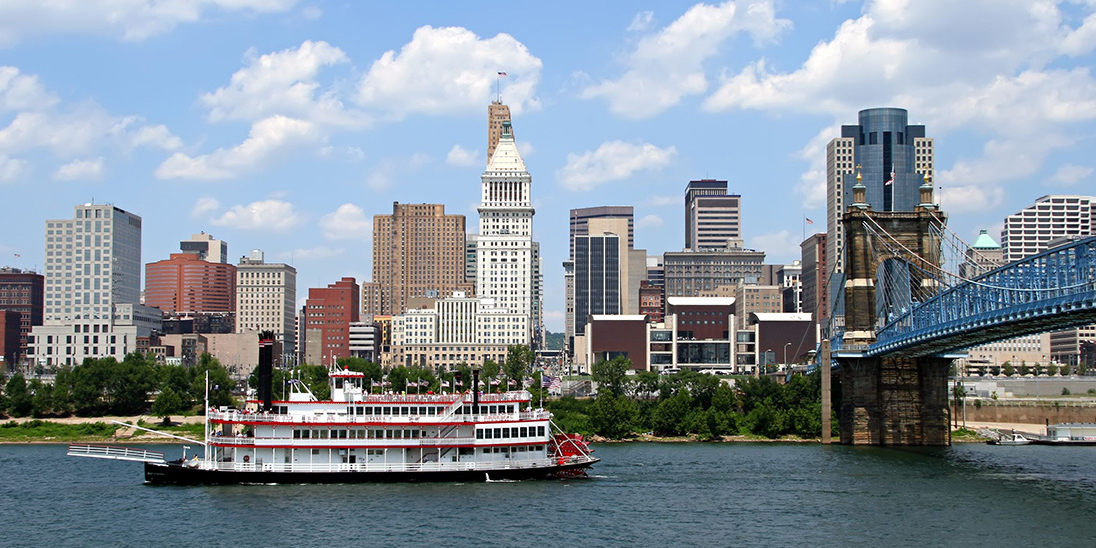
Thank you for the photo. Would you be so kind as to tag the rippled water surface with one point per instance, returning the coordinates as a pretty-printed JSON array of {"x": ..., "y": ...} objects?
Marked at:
[{"x": 639, "y": 495}]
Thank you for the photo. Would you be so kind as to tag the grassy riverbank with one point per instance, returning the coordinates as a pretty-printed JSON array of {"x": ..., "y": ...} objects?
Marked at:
[{"x": 90, "y": 431}]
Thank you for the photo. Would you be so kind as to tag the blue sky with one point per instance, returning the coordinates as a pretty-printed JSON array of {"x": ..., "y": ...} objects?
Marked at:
[{"x": 285, "y": 125}]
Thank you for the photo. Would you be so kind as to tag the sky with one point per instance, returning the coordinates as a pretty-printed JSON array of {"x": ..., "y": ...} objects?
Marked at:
[{"x": 285, "y": 125}]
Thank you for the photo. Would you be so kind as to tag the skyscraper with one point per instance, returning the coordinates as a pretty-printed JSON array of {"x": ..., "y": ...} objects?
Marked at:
[
  {"x": 815, "y": 273},
  {"x": 23, "y": 294},
  {"x": 1031, "y": 229},
  {"x": 712, "y": 217},
  {"x": 505, "y": 252},
  {"x": 185, "y": 284},
  {"x": 93, "y": 288},
  {"x": 93, "y": 261},
  {"x": 580, "y": 221},
  {"x": 207, "y": 247},
  {"x": 497, "y": 115},
  {"x": 418, "y": 250},
  {"x": 597, "y": 277},
  {"x": 329, "y": 311},
  {"x": 894, "y": 159},
  {"x": 266, "y": 298}
]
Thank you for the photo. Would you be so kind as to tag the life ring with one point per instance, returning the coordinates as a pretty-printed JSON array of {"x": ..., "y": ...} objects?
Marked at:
[{"x": 247, "y": 459}]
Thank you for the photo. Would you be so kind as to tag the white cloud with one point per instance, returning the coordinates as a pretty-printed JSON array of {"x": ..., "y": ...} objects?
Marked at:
[
  {"x": 811, "y": 188},
  {"x": 310, "y": 254},
  {"x": 642, "y": 21},
  {"x": 778, "y": 246},
  {"x": 348, "y": 222},
  {"x": 649, "y": 221},
  {"x": 87, "y": 170},
  {"x": 970, "y": 198},
  {"x": 12, "y": 169},
  {"x": 130, "y": 20},
  {"x": 460, "y": 156},
  {"x": 205, "y": 204},
  {"x": 272, "y": 215},
  {"x": 1070, "y": 174},
  {"x": 267, "y": 138},
  {"x": 82, "y": 129},
  {"x": 379, "y": 179},
  {"x": 612, "y": 161},
  {"x": 284, "y": 83},
  {"x": 978, "y": 66},
  {"x": 667, "y": 66},
  {"x": 348, "y": 154},
  {"x": 312, "y": 12},
  {"x": 450, "y": 70},
  {"x": 22, "y": 91}
]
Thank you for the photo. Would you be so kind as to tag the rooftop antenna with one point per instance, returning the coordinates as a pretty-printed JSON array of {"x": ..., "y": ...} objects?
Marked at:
[{"x": 498, "y": 85}]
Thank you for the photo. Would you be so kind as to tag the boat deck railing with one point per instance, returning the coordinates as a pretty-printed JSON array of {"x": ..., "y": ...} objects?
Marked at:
[
  {"x": 487, "y": 466},
  {"x": 115, "y": 453},
  {"x": 343, "y": 418}
]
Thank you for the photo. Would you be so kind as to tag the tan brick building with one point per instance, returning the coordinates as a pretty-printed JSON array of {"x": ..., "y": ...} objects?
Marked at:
[{"x": 418, "y": 251}]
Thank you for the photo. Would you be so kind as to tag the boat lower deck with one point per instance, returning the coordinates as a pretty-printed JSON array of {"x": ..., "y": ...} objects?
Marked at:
[{"x": 179, "y": 473}]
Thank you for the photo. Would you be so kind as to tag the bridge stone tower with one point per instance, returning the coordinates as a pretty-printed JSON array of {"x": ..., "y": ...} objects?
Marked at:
[{"x": 893, "y": 399}]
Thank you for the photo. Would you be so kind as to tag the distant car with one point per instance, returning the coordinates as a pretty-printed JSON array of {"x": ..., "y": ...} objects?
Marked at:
[{"x": 670, "y": 371}]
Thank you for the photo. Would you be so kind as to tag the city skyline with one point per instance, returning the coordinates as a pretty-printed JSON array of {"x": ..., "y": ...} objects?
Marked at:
[{"x": 287, "y": 125}]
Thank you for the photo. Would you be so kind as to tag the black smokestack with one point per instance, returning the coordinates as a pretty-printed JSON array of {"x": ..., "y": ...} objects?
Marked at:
[
  {"x": 475, "y": 391},
  {"x": 265, "y": 390}
]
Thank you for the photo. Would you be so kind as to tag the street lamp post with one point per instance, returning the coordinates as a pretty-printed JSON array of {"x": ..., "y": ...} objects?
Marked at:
[{"x": 786, "y": 345}]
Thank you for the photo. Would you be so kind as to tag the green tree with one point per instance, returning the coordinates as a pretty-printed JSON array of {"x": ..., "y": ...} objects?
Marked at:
[
  {"x": 41, "y": 398},
  {"x": 519, "y": 360},
  {"x": 490, "y": 371},
  {"x": 465, "y": 372},
  {"x": 668, "y": 418},
  {"x": 613, "y": 416},
  {"x": 1008, "y": 369},
  {"x": 63, "y": 403},
  {"x": 130, "y": 384},
  {"x": 610, "y": 376},
  {"x": 371, "y": 370},
  {"x": 645, "y": 385},
  {"x": 1052, "y": 369},
  {"x": 166, "y": 403},
  {"x": 20, "y": 400}
]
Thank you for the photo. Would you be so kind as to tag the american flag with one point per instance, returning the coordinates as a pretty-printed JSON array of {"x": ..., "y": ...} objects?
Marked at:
[
  {"x": 445, "y": 384},
  {"x": 502, "y": 74},
  {"x": 891, "y": 180}
]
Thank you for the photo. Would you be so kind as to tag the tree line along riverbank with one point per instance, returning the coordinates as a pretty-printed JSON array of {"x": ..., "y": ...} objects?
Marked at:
[{"x": 687, "y": 405}]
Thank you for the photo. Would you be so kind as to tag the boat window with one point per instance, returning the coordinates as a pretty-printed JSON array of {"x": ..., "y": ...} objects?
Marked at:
[
  {"x": 403, "y": 411},
  {"x": 486, "y": 450},
  {"x": 492, "y": 409},
  {"x": 509, "y": 408},
  {"x": 479, "y": 434},
  {"x": 514, "y": 432},
  {"x": 377, "y": 434},
  {"x": 540, "y": 430},
  {"x": 524, "y": 432},
  {"x": 422, "y": 410},
  {"x": 387, "y": 410},
  {"x": 297, "y": 434},
  {"x": 498, "y": 433},
  {"x": 368, "y": 410},
  {"x": 487, "y": 433},
  {"x": 315, "y": 451}
]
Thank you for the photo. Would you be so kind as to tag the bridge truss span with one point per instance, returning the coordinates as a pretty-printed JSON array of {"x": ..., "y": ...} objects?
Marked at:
[{"x": 1055, "y": 289}]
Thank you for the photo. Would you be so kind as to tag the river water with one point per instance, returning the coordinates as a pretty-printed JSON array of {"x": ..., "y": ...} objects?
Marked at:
[{"x": 641, "y": 494}]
